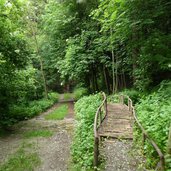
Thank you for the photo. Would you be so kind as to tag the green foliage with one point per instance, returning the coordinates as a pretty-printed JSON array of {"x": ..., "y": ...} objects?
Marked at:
[
  {"x": 53, "y": 96},
  {"x": 83, "y": 142},
  {"x": 80, "y": 92},
  {"x": 22, "y": 160},
  {"x": 133, "y": 94},
  {"x": 138, "y": 35},
  {"x": 58, "y": 114},
  {"x": 38, "y": 133},
  {"x": 68, "y": 96},
  {"x": 154, "y": 114},
  {"x": 15, "y": 79},
  {"x": 114, "y": 98},
  {"x": 28, "y": 110}
]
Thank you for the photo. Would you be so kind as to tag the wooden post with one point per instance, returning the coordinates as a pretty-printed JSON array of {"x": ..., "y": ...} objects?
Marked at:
[
  {"x": 100, "y": 111},
  {"x": 143, "y": 140},
  {"x": 106, "y": 107},
  {"x": 96, "y": 152},
  {"x": 128, "y": 104},
  {"x": 169, "y": 142},
  {"x": 162, "y": 164},
  {"x": 122, "y": 99}
]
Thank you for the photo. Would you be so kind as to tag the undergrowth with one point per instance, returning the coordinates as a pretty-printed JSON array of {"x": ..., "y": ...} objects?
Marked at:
[
  {"x": 22, "y": 160},
  {"x": 80, "y": 92},
  {"x": 83, "y": 141},
  {"x": 30, "y": 109},
  {"x": 154, "y": 112}
]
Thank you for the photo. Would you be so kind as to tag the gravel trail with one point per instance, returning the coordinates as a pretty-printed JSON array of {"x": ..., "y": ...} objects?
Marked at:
[
  {"x": 53, "y": 151},
  {"x": 120, "y": 156}
]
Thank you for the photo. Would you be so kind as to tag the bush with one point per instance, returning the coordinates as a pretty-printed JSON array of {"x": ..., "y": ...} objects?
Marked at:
[
  {"x": 133, "y": 94},
  {"x": 80, "y": 92},
  {"x": 53, "y": 96},
  {"x": 154, "y": 112},
  {"x": 82, "y": 147},
  {"x": 27, "y": 110}
]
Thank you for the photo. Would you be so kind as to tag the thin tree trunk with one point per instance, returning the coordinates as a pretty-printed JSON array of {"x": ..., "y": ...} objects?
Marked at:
[
  {"x": 134, "y": 53},
  {"x": 105, "y": 77},
  {"x": 116, "y": 75},
  {"x": 93, "y": 81},
  {"x": 113, "y": 65},
  {"x": 41, "y": 66},
  {"x": 96, "y": 84},
  {"x": 40, "y": 59},
  {"x": 113, "y": 71}
]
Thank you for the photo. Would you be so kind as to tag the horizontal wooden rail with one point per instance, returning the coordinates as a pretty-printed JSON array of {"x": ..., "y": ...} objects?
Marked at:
[
  {"x": 99, "y": 117},
  {"x": 161, "y": 164}
]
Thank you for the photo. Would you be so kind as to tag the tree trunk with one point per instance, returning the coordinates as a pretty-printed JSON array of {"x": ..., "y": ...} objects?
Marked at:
[
  {"x": 41, "y": 68},
  {"x": 116, "y": 74},
  {"x": 105, "y": 77},
  {"x": 135, "y": 53},
  {"x": 33, "y": 32}
]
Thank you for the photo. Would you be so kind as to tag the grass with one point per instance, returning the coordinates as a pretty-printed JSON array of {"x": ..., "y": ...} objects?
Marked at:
[
  {"x": 58, "y": 114},
  {"x": 38, "y": 133},
  {"x": 68, "y": 96},
  {"x": 21, "y": 161}
]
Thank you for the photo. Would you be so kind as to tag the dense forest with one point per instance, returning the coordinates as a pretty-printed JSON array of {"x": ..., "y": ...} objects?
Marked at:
[{"x": 51, "y": 47}]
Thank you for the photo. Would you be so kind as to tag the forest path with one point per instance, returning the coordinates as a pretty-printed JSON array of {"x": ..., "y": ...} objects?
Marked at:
[
  {"x": 120, "y": 155},
  {"x": 54, "y": 151},
  {"x": 115, "y": 132}
]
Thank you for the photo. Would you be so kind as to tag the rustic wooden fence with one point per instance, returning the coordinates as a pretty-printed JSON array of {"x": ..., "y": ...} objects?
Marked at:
[
  {"x": 100, "y": 116},
  {"x": 129, "y": 103}
]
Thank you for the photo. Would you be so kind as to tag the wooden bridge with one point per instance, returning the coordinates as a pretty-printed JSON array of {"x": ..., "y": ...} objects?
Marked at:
[{"x": 115, "y": 120}]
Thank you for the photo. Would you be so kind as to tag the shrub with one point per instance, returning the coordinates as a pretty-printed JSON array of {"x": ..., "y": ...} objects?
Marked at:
[
  {"x": 53, "y": 96},
  {"x": 133, "y": 94},
  {"x": 27, "y": 110},
  {"x": 82, "y": 147},
  {"x": 80, "y": 92},
  {"x": 154, "y": 112}
]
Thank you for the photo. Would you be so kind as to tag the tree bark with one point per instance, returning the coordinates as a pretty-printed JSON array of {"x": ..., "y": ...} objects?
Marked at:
[
  {"x": 33, "y": 30},
  {"x": 105, "y": 77}
]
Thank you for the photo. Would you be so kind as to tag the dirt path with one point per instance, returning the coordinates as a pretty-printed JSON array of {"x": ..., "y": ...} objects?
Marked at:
[
  {"x": 120, "y": 156},
  {"x": 54, "y": 151}
]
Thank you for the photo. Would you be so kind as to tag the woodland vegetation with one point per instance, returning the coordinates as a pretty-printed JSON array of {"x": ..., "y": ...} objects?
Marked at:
[{"x": 87, "y": 46}]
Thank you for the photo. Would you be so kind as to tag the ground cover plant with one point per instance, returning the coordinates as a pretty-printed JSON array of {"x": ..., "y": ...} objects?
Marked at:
[
  {"x": 37, "y": 133},
  {"x": 27, "y": 110},
  {"x": 154, "y": 112},
  {"x": 83, "y": 142},
  {"x": 21, "y": 160},
  {"x": 58, "y": 114},
  {"x": 80, "y": 92}
]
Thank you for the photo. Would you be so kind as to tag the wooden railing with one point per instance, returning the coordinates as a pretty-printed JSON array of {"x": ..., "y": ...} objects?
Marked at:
[
  {"x": 99, "y": 117},
  {"x": 161, "y": 164}
]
